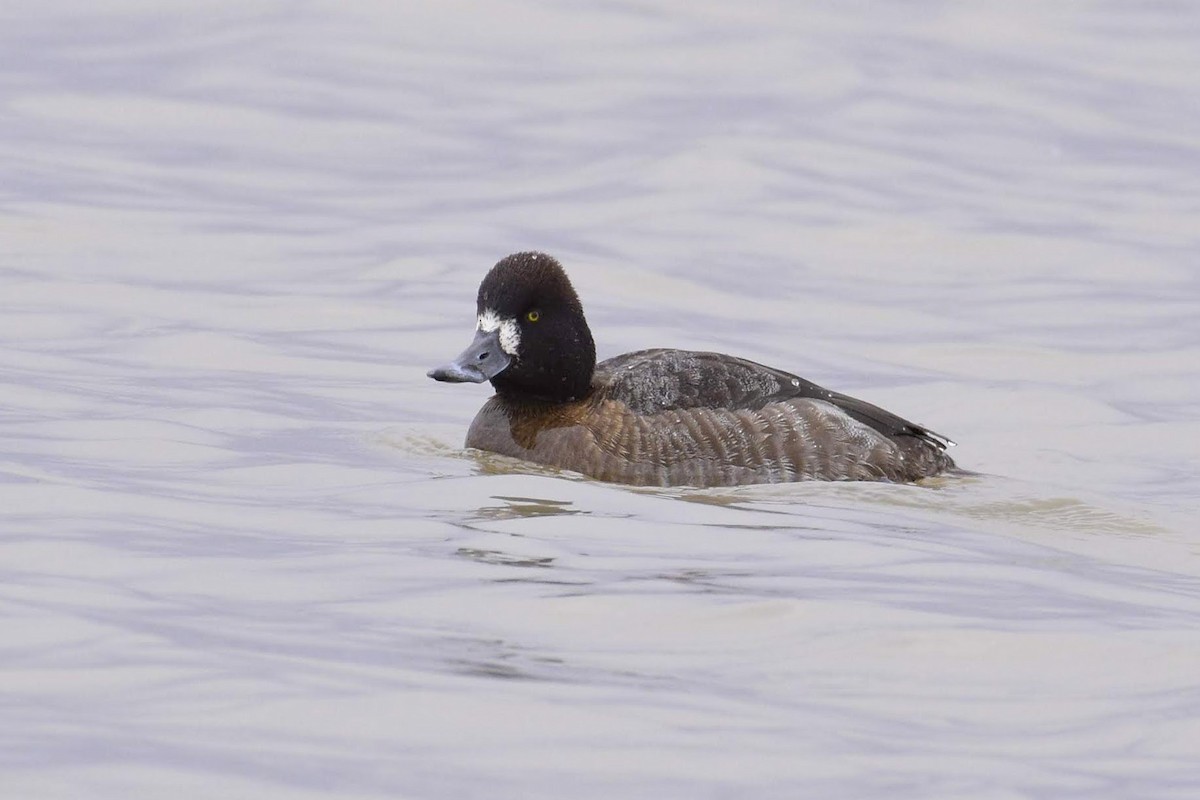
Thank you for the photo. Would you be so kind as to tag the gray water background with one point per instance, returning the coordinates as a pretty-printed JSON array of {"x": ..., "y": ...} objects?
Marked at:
[{"x": 243, "y": 554}]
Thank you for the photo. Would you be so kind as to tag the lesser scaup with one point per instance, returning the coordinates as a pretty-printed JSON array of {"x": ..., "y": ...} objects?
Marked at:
[{"x": 661, "y": 417}]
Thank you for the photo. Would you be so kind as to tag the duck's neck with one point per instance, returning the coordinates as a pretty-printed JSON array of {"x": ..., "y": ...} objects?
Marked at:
[{"x": 569, "y": 388}]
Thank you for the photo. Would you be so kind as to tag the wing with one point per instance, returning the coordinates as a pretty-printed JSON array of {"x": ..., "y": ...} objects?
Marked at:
[{"x": 651, "y": 381}]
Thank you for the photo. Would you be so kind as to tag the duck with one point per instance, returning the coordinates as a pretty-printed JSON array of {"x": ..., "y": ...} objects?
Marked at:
[{"x": 661, "y": 417}]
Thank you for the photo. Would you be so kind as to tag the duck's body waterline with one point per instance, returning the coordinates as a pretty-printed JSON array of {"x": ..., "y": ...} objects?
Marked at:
[{"x": 662, "y": 417}]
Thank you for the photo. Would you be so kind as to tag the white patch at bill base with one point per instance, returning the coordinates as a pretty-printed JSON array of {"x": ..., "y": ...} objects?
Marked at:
[{"x": 510, "y": 334}]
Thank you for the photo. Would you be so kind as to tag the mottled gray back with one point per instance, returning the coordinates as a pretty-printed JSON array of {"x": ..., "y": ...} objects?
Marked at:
[{"x": 650, "y": 381}]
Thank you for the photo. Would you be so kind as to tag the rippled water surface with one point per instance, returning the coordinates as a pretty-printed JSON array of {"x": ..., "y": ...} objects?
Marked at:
[{"x": 243, "y": 553}]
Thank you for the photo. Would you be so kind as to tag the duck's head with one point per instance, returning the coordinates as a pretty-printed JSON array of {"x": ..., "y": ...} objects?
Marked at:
[{"x": 531, "y": 338}]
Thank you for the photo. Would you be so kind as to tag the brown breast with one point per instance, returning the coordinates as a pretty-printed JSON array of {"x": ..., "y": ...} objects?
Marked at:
[{"x": 797, "y": 439}]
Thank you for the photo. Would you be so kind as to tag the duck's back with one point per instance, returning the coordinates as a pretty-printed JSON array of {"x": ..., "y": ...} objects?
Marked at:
[{"x": 681, "y": 418}]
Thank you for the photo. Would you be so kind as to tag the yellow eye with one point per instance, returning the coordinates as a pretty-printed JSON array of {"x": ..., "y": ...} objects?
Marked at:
[{"x": 533, "y": 316}]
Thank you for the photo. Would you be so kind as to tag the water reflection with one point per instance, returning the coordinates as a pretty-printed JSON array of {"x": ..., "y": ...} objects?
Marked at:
[
  {"x": 497, "y": 557},
  {"x": 527, "y": 507}
]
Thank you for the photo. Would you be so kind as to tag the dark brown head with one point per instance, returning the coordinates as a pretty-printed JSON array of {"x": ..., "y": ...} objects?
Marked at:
[{"x": 531, "y": 340}]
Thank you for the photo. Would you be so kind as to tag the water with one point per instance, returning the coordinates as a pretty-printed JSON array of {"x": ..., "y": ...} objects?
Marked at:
[{"x": 243, "y": 554}]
